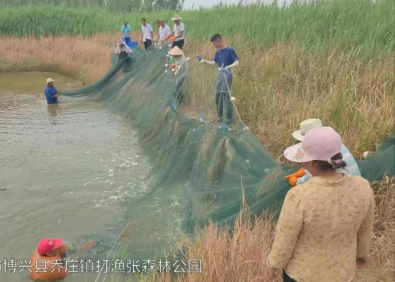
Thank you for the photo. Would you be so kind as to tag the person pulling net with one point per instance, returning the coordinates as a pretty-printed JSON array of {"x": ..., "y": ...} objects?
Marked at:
[
  {"x": 226, "y": 59},
  {"x": 122, "y": 50}
]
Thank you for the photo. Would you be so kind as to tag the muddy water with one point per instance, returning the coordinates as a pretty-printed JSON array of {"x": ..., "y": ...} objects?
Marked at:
[{"x": 64, "y": 169}]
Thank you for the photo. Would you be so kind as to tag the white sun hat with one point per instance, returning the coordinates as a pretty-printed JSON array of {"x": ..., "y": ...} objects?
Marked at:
[
  {"x": 50, "y": 80},
  {"x": 305, "y": 126},
  {"x": 176, "y": 17},
  {"x": 319, "y": 144}
]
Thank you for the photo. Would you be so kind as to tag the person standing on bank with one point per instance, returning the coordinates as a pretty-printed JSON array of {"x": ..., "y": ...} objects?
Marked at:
[
  {"x": 226, "y": 59},
  {"x": 50, "y": 92},
  {"x": 164, "y": 30},
  {"x": 126, "y": 33},
  {"x": 325, "y": 224},
  {"x": 177, "y": 36},
  {"x": 147, "y": 34}
]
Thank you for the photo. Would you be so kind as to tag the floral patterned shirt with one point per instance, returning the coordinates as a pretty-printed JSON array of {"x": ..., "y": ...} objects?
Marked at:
[{"x": 323, "y": 227}]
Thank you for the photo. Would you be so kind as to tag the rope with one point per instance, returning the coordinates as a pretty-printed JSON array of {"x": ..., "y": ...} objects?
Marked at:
[{"x": 230, "y": 98}]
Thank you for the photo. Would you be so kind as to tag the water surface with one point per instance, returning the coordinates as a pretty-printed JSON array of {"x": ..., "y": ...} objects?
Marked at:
[{"x": 64, "y": 169}]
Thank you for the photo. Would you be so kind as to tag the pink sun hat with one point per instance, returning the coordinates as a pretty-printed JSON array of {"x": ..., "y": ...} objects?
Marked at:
[
  {"x": 48, "y": 244},
  {"x": 319, "y": 144}
]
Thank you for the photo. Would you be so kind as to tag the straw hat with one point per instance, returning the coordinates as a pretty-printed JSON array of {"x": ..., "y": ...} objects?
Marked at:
[
  {"x": 305, "y": 126},
  {"x": 176, "y": 17},
  {"x": 50, "y": 80},
  {"x": 176, "y": 51},
  {"x": 120, "y": 42}
]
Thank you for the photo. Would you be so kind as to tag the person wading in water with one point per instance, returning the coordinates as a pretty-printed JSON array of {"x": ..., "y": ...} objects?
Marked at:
[{"x": 50, "y": 92}]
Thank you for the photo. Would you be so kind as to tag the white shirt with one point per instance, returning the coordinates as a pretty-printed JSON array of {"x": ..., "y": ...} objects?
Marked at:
[
  {"x": 163, "y": 32},
  {"x": 146, "y": 29},
  {"x": 125, "y": 48},
  {"x": 177, "y": 30}
]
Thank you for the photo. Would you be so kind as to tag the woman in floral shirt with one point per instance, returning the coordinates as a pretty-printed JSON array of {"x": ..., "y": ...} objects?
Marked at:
[{"x": 325, "y": 224}]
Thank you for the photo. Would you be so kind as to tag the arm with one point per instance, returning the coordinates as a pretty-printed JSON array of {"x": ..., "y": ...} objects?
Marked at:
[
  {"x": 181, "y": 34},
  {"x": 128, "y": 50},
  {"x": 235, "y": 64},
  {"x": 211, "y": 63},
  {"x": 365, "y": 231},
  {"x": 234, "y": 58},
  {"x": 288, "y": 228}
]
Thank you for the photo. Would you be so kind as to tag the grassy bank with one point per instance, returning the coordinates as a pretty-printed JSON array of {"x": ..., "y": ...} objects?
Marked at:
[
  {"x": 275, "y": 88},
  {"x": 363, "y": 25}
]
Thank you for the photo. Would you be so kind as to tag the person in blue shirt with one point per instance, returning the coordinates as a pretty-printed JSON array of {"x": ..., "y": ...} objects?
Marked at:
[
  {"x": 126, "y": 29},
  {"x": 50, "y": 92},
  {"x": 225, "y": 59}
]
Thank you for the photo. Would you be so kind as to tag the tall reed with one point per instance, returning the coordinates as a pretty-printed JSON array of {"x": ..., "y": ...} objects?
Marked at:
[{"x": 364, "y": 26}]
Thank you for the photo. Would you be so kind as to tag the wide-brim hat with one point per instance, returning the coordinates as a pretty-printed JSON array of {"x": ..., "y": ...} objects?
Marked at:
[
  {"x": 176, "y": 17},
  {"x": 319, "y": 144},
  {"x": 305, "y": 126},
  {"x": 50, "y": 80},
  {"x": 121, "y": 42},
  {"x": 176, "y": 51}
]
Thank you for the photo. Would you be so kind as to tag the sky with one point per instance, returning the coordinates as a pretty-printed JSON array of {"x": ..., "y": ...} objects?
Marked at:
[{"x": 189, "y": 4}]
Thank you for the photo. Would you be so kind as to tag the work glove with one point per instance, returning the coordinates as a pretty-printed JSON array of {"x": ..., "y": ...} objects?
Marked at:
[
  {"x": 167, "y": 37},
  {"x": 293, "y": 178},
  {"x": 173, "y": 39}
]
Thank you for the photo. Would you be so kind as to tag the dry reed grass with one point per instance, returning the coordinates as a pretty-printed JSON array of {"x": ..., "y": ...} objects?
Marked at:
[
  {"x": 82, "y": 58},
  {"x": 241, "y": 255}
]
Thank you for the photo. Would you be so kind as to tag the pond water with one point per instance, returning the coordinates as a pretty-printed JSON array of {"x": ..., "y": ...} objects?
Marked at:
[{"x": 64, "y": 169}]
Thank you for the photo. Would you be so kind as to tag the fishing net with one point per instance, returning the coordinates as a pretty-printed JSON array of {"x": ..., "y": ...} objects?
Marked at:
[{"x": 202, "y": 169}]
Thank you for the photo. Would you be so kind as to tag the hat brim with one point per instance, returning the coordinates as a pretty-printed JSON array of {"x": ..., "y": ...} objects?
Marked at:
[
  {"x": 297, "y": 155},
  {"x": 298, "y": 135},
  {"x": 175, "y": 54},
  {"x": 175, "y": 19},
  {"x": 57, "y": 243}
]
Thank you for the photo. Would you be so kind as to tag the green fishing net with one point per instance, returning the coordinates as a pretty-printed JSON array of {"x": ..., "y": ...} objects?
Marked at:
[{"x": 202, "y": 169}]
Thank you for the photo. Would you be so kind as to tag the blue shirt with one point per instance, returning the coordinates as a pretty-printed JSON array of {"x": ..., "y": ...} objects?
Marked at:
[
  {"x": 225, "y": 57},
  {"x": 50, "y": 92},
  {"x": 126, "y": 29}
]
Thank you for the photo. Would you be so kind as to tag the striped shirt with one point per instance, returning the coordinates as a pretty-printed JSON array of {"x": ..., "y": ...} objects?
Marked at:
[{"x": 351, "y": 167}]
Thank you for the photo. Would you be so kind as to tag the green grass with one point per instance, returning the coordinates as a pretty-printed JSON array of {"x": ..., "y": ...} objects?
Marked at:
[{"x": 364, "y": 26}]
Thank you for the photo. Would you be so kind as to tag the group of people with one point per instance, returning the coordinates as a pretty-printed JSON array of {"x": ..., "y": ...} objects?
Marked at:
[
  {"x": 327, "y": 218},
  {"x": 225, "y": 58},
  {"x": 323, "y": 232},
  {"x": 147, "y": 34}
]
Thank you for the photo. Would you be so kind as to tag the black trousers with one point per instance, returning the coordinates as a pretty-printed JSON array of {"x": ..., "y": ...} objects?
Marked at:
[
  {"x": 179, "y": 44},
  {"x": 286, "y": 278},
  {"x": 147, "y": 44}
]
